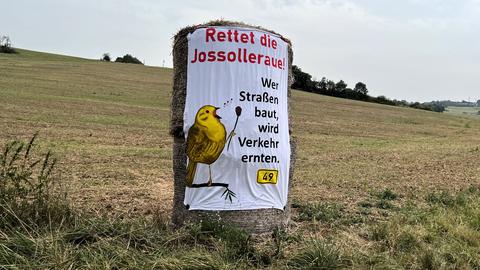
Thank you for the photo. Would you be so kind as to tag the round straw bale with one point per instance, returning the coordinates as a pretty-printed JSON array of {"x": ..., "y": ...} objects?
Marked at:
[{"x": 254, "y": 221}]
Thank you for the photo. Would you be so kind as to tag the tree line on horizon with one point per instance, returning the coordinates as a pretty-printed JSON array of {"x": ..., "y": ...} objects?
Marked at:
[
  {"x": 127, "y": 58},
  {"x": 462, "y": 103},
  {"x": 303, "y": 81}
]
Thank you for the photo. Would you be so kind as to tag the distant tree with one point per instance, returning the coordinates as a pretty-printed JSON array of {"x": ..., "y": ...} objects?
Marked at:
[
  {"x": 384, "y": 100},
  {"x": 127, "y": 58},
  {"x": 437, "y": 107},
  {"x": 301, "y": 80},
  {"x": 463, "y": 103},
  {"x": 402, "y": 102},
  {"x": 340, "y": 86},
  {"x": 6, "y": 45},
  {"x": 106, "y": 57},
  {"x": 304, "y": 81},
  {"x": 361, "y": 88},
  {"x": 330, "y": 86},
  {"x": 478, "y": 103},
  {"x": 322, "y": 85}
]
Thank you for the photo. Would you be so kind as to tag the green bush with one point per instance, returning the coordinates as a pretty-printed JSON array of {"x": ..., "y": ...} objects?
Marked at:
[
  {"x": 6, "y": 45},
  {"x": 27, "y": 187},
  {"x": 127, "y": 58},
  {"x": 106, "y": 57}
]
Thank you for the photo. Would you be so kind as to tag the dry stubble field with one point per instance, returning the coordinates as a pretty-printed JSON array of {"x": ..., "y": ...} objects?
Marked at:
[{"x": 108, "y": 125}]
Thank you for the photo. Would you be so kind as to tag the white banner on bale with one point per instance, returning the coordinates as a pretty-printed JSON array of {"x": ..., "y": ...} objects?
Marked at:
[{"x": 236, "y": 120}]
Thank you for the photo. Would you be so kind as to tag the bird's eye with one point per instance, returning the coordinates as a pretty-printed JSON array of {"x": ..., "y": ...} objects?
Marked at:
[{"x": 207, "y": 111}]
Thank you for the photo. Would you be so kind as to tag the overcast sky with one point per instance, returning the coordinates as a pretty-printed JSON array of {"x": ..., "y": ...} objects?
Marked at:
[{"x": 417, "y": 50}]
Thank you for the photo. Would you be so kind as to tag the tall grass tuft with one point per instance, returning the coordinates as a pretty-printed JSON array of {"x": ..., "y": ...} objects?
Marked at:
[
  {"x": 27, "y": 187},
  {"x": 442, "y": 235},
  {"x": 233, "y": 243},
  {"x": 319, "y": 255},
  {"x": 325, "y": 212}
]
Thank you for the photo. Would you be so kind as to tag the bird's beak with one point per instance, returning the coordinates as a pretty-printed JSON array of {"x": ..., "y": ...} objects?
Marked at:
[{"x": 215, "y": 113}]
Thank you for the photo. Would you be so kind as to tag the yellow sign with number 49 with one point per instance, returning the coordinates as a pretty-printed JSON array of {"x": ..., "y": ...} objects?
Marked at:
[{"x": 265, "y": 176}]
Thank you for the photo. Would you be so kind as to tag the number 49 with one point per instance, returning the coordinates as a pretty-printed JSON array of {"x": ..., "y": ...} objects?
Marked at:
[{"x": 268, "y": 176}]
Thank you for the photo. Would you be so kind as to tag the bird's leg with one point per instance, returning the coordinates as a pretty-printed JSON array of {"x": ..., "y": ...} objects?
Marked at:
[{"x": 209, "y": 176}]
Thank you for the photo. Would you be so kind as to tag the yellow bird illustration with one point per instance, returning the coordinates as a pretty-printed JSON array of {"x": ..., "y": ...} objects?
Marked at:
[{"x": 205, "y": 142}]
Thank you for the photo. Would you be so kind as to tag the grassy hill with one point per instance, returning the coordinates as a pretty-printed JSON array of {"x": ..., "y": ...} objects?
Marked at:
[{"x": 108, "y": 124}]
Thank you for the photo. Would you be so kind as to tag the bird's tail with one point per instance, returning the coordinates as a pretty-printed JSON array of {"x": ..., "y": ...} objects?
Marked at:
[{"x": 191, "y": 169}]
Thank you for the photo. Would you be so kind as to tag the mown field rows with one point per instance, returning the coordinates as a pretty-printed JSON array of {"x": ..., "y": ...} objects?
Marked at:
[
  {"x": 375, "y": 186},
  {"x": 108, "y": 123}
]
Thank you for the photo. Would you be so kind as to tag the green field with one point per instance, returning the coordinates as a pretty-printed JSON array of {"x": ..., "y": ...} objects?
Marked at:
[
  {"x": 108, "y": 125},
  {"x": 464, "y": 111}
]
